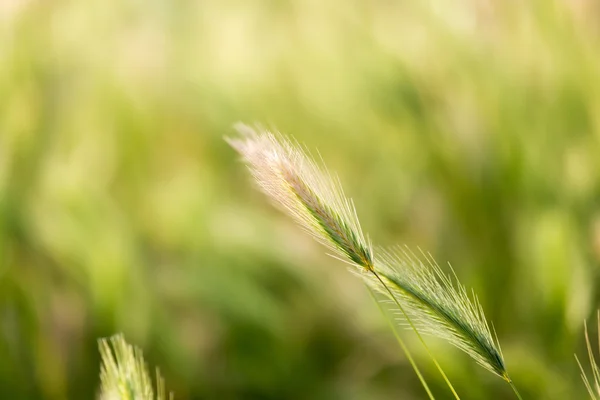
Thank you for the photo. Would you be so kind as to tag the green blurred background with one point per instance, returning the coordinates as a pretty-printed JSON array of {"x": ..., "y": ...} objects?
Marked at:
[{"x": 469, "y": 128}]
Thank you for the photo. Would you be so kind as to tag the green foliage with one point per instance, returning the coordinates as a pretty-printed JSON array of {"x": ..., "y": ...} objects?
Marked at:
[{"x": 468, "y": 128}]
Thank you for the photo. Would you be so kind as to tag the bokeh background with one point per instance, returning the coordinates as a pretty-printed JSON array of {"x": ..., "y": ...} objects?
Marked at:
[{"x": 469, "y": 128}]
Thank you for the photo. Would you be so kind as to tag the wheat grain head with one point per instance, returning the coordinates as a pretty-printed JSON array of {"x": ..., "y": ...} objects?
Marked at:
[
  {"x": 316, "y": 201},
  {"x": 123, "y": 373}
]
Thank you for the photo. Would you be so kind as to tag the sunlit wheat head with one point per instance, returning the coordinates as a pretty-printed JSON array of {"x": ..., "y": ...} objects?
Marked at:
[
  {"x": 295, "y": 183},
  {"x": 124, "y": 375},
  {"x": 421, "y": 292}
]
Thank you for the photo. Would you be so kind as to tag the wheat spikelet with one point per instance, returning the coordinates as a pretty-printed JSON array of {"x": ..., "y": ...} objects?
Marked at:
[
  {"x": 124, "y": 375},
  {"x": 439, "y": 305},
  {"x": 309, "y": 194}
]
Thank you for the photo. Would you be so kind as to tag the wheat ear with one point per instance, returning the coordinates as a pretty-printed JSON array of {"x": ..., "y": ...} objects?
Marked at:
[
  {"x": 124, "y": 375},
  {"x": 313, "y": 198},
  {"x": 426, "y": 298}
]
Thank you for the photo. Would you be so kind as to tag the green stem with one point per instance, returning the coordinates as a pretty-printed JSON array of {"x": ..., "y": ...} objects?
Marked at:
[
  {"x": 414, "y": 328},
  {"x": 514, "y": 388},
  {"x": 402, "y": 345}
]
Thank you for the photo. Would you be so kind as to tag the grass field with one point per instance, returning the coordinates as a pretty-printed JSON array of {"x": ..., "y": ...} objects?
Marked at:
[{"x": 471, "y": 130}]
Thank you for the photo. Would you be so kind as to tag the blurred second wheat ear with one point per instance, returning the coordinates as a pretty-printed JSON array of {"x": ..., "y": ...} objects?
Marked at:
[
  {"x": 424, "y": 296},
  {"x": 124, "y": 374},
  {"x": 593, "y": 389}
]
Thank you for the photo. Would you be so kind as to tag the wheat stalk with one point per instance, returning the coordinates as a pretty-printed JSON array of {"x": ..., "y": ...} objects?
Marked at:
[
  {"x": 425, "y": 297},
  {"x": 124, "y": 375}
]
